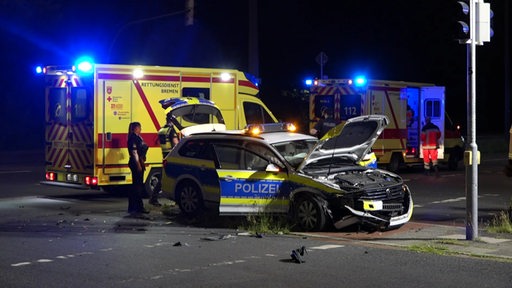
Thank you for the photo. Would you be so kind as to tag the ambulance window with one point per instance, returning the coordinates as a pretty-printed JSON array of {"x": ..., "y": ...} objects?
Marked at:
[
  {"x": 433, "y": 108},
  {"x": 201, "y": 93},
  {"x": 323, "y": 102},
  {"x": 57, "y": 107},
  {"x": 256, "y": 114},
  {"x": 79, "y": 109}
]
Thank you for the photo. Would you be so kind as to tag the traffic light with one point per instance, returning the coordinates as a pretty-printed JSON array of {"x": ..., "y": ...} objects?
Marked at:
[
  {"x": 484, "y": 16},
  {"x": 462, "y": 25}
]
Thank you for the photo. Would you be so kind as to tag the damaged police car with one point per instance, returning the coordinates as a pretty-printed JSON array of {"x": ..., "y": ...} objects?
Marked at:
[{"x": 319, "y": 183}]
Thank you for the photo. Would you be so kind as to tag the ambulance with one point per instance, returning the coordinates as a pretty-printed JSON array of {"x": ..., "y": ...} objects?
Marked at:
[
  {"x": 406, "y": 104},
  {"x": 90, "y": 106}
]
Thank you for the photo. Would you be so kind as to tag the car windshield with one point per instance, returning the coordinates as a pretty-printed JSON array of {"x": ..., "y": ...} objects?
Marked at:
[{"x": 294, "y": 151}]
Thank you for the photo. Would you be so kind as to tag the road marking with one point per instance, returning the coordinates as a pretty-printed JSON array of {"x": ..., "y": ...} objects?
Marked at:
[
  {"x": 44, "y": 261},
  {"x": 449, "y": 200},
  {"x": 60, "y": 257},
  {"x": 325, "y": 247},
  {"x": 20, "y": 264}
]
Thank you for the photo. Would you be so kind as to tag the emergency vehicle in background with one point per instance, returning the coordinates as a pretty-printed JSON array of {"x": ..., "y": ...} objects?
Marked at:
[
  {"x": 406, "y": 104},
  {"x": 89, "y": 108}
]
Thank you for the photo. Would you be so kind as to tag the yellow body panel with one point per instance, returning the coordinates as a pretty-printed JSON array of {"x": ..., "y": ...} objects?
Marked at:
[{"x": 120, "y": 94}]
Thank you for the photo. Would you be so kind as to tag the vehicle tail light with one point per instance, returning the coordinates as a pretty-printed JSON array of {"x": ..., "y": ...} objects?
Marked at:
[
  {"x": 91, "y": 181},
  {"x": 51, "y": 176},
  {"x": 411, "y": 151}
]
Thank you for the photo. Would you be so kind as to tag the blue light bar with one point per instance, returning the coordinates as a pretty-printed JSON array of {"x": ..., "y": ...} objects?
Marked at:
[
  {"x": 84, "y": 65},
  {"x": 308, "y": 82},
  {"x": 360, "y": 81}
]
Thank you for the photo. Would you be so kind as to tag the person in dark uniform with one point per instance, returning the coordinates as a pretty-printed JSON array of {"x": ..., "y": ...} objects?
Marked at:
[
  {"x": 137, "y": 150},
  {"x": 325, "y": 124}
]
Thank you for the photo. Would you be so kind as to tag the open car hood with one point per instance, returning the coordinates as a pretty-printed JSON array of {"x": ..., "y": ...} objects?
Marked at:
[
  {"x": 351, "y": 140},
  {"x": 191, "y": 115}
]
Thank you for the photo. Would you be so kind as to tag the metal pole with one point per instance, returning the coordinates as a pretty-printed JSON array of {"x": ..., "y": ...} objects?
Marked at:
[
  {"x": 472, "y": 167},
  {"x": 322, "y": 65}
]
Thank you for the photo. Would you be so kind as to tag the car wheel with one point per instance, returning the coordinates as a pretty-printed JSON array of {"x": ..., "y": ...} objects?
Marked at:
[
  {"x": 189, "y": 198},
  {"x": 309, "y": 214},
  {"x": 394, "y": 163},
  {"x": 153, "y": 184}
]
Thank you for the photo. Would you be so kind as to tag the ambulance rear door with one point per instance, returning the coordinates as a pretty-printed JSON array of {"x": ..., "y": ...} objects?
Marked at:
[
  {"x": 412, "y": 94},
  {"x": 69, "y": 128},
  {"x": 343, "y": 100}
]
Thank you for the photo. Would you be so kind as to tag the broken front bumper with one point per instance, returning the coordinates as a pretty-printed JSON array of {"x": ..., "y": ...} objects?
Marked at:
[{"x": 366, "y": 215}]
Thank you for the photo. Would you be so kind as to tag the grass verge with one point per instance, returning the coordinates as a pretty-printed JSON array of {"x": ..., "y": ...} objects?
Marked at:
[
  {"x": 501, "y": 223},
  {"x": 265, "y": 224}
]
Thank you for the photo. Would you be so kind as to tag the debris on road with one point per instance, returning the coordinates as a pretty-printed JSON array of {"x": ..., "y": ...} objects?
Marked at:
[{"x": 297, "y": 254}]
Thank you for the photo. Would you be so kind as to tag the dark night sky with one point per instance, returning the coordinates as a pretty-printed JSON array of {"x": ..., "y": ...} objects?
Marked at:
[{"x": 395, "y": 40}]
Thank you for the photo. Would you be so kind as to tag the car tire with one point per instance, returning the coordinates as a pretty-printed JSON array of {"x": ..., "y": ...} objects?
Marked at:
[
  {"x": 153, "y": 184},
  {"x": 309, "y": 213},
  {"x": 189, "y": 198},
  {"x": 394, "y": 163}
]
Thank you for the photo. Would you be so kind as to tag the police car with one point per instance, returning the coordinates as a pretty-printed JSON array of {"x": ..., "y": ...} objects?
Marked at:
[{"x": 319, "y": 183}]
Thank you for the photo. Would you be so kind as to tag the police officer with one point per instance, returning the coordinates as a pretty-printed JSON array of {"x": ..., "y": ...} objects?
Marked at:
[
  {"x": 325, "y": 124},
  {"x": 137, "y": 150},
  {"x": 167, "y": 136},
  {"x": 430, "y": 135}
]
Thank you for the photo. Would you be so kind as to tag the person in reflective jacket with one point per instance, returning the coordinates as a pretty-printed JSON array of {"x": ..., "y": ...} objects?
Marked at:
[{"x": 430, "y": 135}]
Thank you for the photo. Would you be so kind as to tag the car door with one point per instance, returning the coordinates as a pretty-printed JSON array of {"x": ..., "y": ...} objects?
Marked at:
[{"x": 251, "y": 179}]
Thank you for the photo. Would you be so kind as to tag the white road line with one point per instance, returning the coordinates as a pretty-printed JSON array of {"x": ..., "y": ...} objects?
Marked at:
[
  {"x": 60, "y": 257},
  {"x": 449, "y": 200},
  {"x": 325, "y": 247}
]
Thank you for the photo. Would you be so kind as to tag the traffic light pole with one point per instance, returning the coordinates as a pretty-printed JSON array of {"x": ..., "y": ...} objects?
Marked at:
[{"x": 471, "y": 153}]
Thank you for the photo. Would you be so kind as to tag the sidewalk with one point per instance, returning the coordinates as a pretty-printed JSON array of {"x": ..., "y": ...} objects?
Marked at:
[{"x": 441, "y": 239}]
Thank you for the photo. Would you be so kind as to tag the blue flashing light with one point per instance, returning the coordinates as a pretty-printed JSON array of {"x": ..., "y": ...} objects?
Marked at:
[
  {"x": 308, "y": 82},
  {"x": 39, "y": 69},
  {"x": 84, "y": 65},
  {"x": 360, "y": 81},
  {"x": 253, "y": 79}
]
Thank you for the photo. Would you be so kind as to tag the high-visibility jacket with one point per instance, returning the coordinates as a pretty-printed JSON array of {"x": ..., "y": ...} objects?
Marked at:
[{"x": 430, "y": 135}]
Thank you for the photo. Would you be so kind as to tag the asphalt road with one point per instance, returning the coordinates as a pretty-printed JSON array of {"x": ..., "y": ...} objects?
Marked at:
[
  {"x": 86, "y": 241},
  {"x": 57, "y": 237}
]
